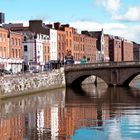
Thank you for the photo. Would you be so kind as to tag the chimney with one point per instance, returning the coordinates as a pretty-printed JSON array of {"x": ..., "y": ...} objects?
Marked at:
[
  {"x": 57, "y": 25},
  {"x": 49, "y": 25},
  {"x": 85, "y": 32},
  {"x": 66, "y": 25}
]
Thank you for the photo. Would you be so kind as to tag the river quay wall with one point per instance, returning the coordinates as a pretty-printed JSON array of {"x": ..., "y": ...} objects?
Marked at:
[
  {"x": 15, "y": 85},
  {"x": 27, "y": 83}
]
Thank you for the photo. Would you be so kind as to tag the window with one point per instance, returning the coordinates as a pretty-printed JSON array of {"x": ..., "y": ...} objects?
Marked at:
[
  {"x": 58, "y": 37},
  {"x": 25, "y": 48},
  {"x": 16, "y": 53},
  {"x": 25, "y": 38},
  {"x": 1, "y": 51},
  {"x": 4, "y": 37},
  {"x": 19, "y": 53},
  {"x": 67, "y": 33},
  {"x": 12, "y": 41},
  {"x": 70, "y": 44},
  {"x": 0, "y": 37},
  {"x": 13, "y": 53},
  {"x": 70, "y": 34},
  {"x": 16, "y": 41},
  {"x": 19, "y": 42},
  {"x": 67, "y": 42},
  {"x": 4, "y": 51},
  {"x": 45, "y": 49}
]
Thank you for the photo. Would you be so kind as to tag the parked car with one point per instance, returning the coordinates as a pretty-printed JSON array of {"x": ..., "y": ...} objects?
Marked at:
[
  {"x": 32, "y": 71},
  {"x": 4, "y": 71},
  {"x": 35, "y": 71}
]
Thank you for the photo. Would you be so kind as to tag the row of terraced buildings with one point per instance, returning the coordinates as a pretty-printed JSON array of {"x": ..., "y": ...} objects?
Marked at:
[{"x": 40, "y": 43}]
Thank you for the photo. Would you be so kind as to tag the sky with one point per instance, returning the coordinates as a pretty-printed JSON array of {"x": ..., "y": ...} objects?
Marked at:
[{"x": 115, "y": 17}]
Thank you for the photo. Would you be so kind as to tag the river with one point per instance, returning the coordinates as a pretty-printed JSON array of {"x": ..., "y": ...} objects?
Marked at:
[{"x": 89, "y": 113}]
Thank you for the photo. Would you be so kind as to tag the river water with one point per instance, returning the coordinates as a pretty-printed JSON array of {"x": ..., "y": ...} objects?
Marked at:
[{"x": 89, "y": 113}]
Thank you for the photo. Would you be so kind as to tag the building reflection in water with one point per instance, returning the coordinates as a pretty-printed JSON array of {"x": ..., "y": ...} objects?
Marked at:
[{"x": 86, "y": 113}]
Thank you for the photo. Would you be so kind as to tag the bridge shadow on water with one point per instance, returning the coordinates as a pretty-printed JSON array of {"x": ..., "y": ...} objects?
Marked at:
[{"x": 101, "y": 93}]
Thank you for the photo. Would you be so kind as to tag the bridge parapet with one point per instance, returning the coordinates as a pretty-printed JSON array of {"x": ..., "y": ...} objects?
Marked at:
[{"x": 102, "y": 64}]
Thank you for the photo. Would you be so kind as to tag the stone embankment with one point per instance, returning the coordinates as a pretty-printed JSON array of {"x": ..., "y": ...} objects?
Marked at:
[
  {"x": 22, "y": 84},
  {"x": 14, "y": 85}
]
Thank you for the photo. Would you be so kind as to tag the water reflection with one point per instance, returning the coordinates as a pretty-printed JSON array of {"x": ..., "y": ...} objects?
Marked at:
[{"x": 88, "y": 113}]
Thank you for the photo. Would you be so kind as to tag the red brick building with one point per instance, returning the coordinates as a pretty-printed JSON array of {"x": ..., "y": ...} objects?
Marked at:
[
  {"x": 90, "y": 48},
  {"x": 61, "y": 41},
  {"x": 79, "y": 48},
  {"x": 84, "y": 45},
  {"x": 15, "y": 48},
  {"x": 119, "y": 49},
  {"x": 68, "y": 37},
  {"x": 10, "y": 50},
  {"x": 4, "y": 46},
  {"x": 136, "y": 51},
  {"x": 115, "y": 48},
  {"x": 46, "y": 51},
  {"x": 127, "y": 50}
]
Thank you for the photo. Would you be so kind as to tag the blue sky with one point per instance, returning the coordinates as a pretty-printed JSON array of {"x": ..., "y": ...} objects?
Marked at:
[{"x": 117, "y": 17}]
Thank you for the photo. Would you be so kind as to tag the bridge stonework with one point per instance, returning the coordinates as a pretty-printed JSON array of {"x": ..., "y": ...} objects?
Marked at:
[{"x": 114, "y": 74}]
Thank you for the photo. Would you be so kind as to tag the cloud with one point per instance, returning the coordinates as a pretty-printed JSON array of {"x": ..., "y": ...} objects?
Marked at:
[
  {"x": 111, "y": 6},
  {"x": 128, "y": 32},
  {"x": 114, "y": 6},
  {"x": 133, "y": 14}
]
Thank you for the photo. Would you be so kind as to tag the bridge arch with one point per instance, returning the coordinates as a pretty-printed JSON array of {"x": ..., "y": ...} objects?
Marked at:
[
  {"x": 78, "y": 81},
  {"x": 130, "y": 78},
  {"x": 75, "y": 78},
  {"x": 118, "y": 74}
]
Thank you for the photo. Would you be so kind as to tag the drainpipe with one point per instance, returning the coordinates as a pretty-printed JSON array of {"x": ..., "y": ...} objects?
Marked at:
[
  {"x": 35, "y": 52},
  {"x": 35, "y": 48}
]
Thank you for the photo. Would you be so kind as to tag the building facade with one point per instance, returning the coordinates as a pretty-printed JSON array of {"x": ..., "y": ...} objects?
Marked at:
[
  {"x": 34, "y": 46},
  {"x": 127, "y": 50},
  {"x": 4, "y": 47},
  {"x": 115, "y": 48},
  {"x": 15, "y": 52},
  {"x": 61, "y": 41},
  {"x": 90, "y": 48},
  {"x": 106, "y": 47},
  {"x": 69, "y": 39},
  {"x": 35, "y": 40},
  {"x": 10, "y": 50},
  {"x": 78, "y": 50},
  {"x": 53, "y": 45},
  {"x": 136, "y": 51}
]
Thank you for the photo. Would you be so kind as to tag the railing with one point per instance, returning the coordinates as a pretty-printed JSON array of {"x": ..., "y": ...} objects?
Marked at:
[{"x": 103, "y": 64}]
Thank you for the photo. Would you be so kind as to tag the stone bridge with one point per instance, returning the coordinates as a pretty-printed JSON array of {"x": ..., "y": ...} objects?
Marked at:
[{"x": 113, "y": 73}]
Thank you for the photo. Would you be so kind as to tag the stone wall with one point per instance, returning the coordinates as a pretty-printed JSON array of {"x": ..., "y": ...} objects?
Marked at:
[{"x": 13, "y": 85}]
